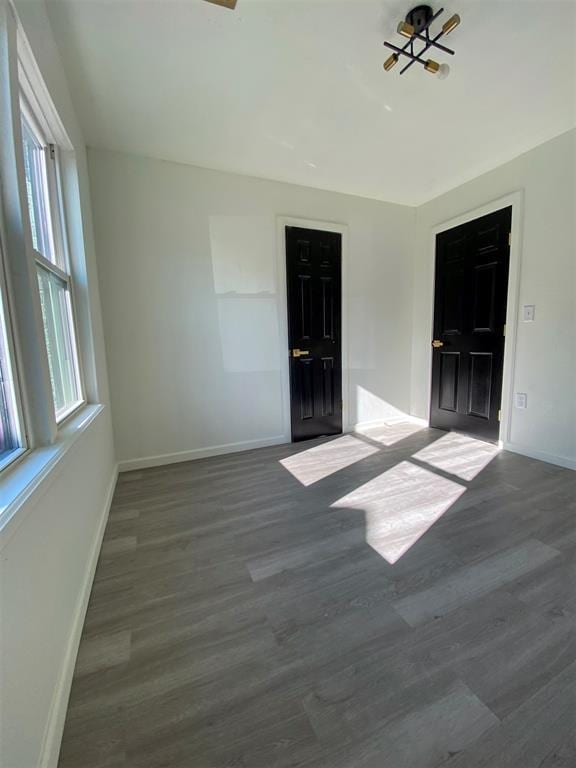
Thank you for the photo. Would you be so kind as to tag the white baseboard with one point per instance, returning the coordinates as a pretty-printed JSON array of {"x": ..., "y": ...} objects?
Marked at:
[
  {"x": 199, "y": 453},
  {"x": 360, "y": 425},
  {"x": 549, "y": 458},
  {"x": 57, "y": 716},
  {"x": 160, "y": 460}
]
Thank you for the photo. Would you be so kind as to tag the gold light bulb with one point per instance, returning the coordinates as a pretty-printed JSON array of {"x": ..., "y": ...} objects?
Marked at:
[
  {"x": 390, "y": 62},
  {"x": 405, "y": 29},
  {"x": 432, "y": 66},
  {"x": 451, "y": 24}
]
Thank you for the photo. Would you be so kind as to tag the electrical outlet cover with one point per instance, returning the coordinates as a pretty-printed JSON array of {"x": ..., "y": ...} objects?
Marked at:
[
  {"x": 529, "y": 313},
  {"x": 521, "y": 400}
]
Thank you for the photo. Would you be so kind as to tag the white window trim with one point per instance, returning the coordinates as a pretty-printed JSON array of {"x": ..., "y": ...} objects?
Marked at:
[
  {"x": 32, "y": 86},
  {"x": 22, "y": 432},
  {"x": 58, "y": 226},
  {"x": 43, "y": 262}
]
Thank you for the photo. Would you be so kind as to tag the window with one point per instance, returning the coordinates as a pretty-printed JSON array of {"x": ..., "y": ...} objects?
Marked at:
[
  {"x": 37, "y": 192},
  {"x": 54, "y": 280},
  {"x": 11, "y": 436}
]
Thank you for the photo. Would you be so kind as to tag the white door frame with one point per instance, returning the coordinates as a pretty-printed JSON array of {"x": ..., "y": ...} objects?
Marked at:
[
  {"x": 516, "y": 201},
  {"x": 325, "y": 226}
]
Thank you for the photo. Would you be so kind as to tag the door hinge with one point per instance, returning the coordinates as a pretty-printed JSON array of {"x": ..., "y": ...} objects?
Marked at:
[
  {"x": 509, "y": 238},
  {"x": 504, "y": 330},
  {"x": 51, "y": 151},
  {"x": 499, "y": 415}
]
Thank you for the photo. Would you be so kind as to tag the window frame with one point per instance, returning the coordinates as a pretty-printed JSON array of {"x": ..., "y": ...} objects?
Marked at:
[
  {"x": 61, "y": 267},
  {"x": 13, "y": 360}
]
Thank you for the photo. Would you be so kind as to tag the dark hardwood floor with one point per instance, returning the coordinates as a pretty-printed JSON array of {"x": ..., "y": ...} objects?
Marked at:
[{"x": 400, "y": 599}]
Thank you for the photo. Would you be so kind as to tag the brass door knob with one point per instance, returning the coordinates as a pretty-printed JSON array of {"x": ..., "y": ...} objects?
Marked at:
[
  {"x": 300, "y": 352},
  {"x": 437, "y": 344}
]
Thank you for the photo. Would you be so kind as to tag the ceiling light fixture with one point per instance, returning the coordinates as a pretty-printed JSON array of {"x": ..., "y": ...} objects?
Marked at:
[{"x": 416, "y": 27}]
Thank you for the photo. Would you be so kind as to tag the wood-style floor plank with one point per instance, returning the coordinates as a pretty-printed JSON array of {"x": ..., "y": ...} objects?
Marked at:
[{"x": 401, "y": 598}]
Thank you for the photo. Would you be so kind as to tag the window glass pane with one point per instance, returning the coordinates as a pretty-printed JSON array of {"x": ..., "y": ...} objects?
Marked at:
[
  {"x": 37, "y": 193},
  {"x": 60, "y": 342},
  {"x": 10, "y": 431},
  {"x": 9, "y": 427}
]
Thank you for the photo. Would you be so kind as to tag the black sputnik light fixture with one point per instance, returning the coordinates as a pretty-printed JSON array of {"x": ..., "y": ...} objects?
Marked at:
[{"x": 416, "y": 28}]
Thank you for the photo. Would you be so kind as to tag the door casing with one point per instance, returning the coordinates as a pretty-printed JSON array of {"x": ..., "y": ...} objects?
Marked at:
[
  {"x": 516, "y": 201},
  {"x": 326, "y": 226}
]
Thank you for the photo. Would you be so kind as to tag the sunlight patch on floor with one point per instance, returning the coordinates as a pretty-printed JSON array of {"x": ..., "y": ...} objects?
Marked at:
[
  {"x": 389, "y": 434},
  {"x": 459, "y": 455},
  {"x": 400, "y": 505},
  {"x": 314, "y": 464}
]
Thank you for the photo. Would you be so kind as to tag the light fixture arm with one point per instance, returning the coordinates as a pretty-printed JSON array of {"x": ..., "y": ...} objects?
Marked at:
[
  {"x": 416, "y": 27},
  {"x": 430, "y": 42},
  {"x": 426, "y": 39},
  {"x": 412, "y": 56}
]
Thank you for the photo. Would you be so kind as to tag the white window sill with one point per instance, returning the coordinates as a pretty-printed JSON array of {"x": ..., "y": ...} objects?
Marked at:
[
  {"x": 11, "y": 457},
  {"x": 67, "y": 414},
  {"x": 36, "y": 467}
]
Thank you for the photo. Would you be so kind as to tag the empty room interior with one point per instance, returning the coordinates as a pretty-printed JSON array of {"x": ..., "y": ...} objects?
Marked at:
[{"x": 287, "y": 384}]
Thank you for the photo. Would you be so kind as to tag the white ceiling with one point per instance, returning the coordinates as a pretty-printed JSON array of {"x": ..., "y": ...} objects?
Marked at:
[{"x": 294, "y": 90}]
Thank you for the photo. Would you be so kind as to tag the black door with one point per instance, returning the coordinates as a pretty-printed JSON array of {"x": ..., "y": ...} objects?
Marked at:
[
  {"x": 469, "y": 316},
  {"x": 314, "y": 281}
]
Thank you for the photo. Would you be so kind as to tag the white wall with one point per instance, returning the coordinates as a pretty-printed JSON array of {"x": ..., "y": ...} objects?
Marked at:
[
  {"x": 47, "y": 551},
  {"x": 545, "y": 365},
  {"x": 46, "y": 563},
  {"x": 190, "y": 295}
]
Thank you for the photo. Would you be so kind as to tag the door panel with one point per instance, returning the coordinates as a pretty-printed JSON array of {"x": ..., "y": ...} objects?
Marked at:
[
  {"x": 305, "y": 383},
  {"x": 327, "y": 307},
  {"x": 449, "y": 368},
  {"x": 472, "y": 263},
  {"x": 452, "y": 297},
  {"x": 480, "y": 384},
  {"x": 328, "y": 386},
  {"x": 485, "y": 276},
  {"x": 305, "y": 309},
  {"x": 313, "y": 269}
]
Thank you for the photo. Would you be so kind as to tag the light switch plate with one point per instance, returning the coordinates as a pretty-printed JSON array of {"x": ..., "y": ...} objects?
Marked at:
[
  {"x": 521, "y": 400},
  {"x": 529, "y": 312}
]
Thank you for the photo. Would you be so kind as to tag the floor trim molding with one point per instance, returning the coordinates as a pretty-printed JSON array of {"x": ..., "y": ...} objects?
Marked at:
[
  {"x": 57, "y": 716},
  {"x": 549, "y": 458},
  {"x": 360, "y": 425},
  {"x": 199, "y": 453}
]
